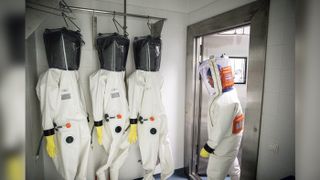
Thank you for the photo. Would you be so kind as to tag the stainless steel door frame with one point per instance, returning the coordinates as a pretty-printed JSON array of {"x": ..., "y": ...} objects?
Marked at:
[{"x": 255, "y": 14}]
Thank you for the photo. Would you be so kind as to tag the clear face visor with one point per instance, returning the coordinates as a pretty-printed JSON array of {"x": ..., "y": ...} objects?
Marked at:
[
  {"x": 210, "y": 75},
  {"x": 216, "y": 74}
]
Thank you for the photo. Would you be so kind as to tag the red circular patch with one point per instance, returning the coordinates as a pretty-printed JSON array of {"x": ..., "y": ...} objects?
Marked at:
[
  {"x": 68, "y": 125},
  {"x": 151, "y": 118},
  {"x": 119, "y": 116}
]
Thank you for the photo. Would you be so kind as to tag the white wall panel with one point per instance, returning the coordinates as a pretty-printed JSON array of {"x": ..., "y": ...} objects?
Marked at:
[{"x": 277, "y": 128}]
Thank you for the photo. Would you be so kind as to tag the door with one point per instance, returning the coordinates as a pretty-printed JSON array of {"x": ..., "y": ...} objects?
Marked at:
[
  {"x": 235, "y": 44},
  {"x": 254, "y": 14}
]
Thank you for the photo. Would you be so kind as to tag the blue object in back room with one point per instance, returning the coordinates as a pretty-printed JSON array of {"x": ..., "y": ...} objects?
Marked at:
[
  {"x": 179, "y": 175},
  {"x": 205, "y": 178}
]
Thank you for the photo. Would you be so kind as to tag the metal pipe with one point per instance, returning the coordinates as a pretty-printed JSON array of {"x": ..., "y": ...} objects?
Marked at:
[
  {"x": 125, "y": 17},
  {"x": 98, "y": 11},
  {"x": 116, "y": 13},
  {"x": 41, "y": 10}
]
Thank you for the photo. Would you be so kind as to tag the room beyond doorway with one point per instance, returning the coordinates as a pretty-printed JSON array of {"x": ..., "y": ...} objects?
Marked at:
[{"x": 233, "y": 43}]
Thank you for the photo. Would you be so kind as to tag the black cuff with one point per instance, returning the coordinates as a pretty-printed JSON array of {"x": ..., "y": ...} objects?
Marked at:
[
  {"x": 98, "y": 123},
  {"x": 48, "y": 132},
  {"x": 133, "y": 121},
  {"x": 208, "y": 148}
]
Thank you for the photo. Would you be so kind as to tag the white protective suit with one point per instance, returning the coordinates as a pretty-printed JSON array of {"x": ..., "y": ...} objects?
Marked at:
[
  {"x": 145, "y": 104},
  {"x": 110, "y": 110},
  {"x": 225, "y": 123},
  {"x": 62, "y": 103}
]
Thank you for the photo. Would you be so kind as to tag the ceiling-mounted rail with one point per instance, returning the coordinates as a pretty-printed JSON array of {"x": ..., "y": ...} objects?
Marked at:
[{"x": 98, "y": 11}]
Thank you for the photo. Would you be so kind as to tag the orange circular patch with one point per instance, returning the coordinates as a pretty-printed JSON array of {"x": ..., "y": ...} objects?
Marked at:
[
  {"x": 68, "y": 125},
  {"x": 151, "y": 118},
  {"x": 119, "y": 116}
]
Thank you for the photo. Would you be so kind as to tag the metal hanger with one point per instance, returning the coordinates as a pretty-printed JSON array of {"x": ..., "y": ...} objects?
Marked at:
[
  {"x": 64, "y": 6},
  {"x": 116, "y": 24},
  {"x": 66, "y": 17}
]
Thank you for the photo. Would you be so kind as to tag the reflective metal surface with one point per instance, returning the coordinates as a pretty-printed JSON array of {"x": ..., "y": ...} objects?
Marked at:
[
  {"x": 256, "y": 69},
  {"x": 35, "y": 167},
  {"x": 255, "y": 14},
  {"x": 203, "y": 130},
  {"x": 191, "y": 111}
]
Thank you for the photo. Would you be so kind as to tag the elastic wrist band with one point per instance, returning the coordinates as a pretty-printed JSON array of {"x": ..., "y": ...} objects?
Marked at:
[
  {"x": 133, "y": 121},
  {"x": 48, "y": 132},
  {"x": 208, "y": 148},
  {"x": 98, "y": 123}
]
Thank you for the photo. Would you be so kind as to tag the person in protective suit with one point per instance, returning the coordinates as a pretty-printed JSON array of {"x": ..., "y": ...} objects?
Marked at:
[
  {"x": 110, "y": 107},
  {"x": 225, "y": 123},
  {"x": 63, "y": 108},
  {"x": 148, "y": 121}
]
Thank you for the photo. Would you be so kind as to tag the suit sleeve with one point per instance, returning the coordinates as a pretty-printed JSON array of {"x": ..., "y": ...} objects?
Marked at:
[
  {"x": 135, "y": 91},
  {"x": 220, "y": 123},
  {"x": 165, "y": 152},
  {"x": 97, "y": 90},
  {"x": 48, "y": 94}
]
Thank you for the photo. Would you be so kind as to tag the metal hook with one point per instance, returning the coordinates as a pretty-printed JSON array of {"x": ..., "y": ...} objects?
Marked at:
[
  {"x": 65, "y": 17},
  {"x": 114, "y": 14},
  {"x": 63, "y": 5},
  {"x": 74, "y": 24},
  {"x": 115, "y": 22}
]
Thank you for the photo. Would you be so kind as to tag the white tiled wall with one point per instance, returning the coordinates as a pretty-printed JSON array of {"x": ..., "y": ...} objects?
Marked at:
[{"x": 277, "y": 126}]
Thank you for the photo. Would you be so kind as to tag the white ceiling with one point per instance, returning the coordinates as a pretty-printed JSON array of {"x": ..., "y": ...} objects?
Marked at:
[
  {"x": 197, "y": 4},
  {"x": 184, "y": 6}
]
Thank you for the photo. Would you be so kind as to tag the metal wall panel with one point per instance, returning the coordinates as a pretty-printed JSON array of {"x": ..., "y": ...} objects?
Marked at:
[
  {"x": 34, "y": 166},
  {"x": 256, "y": 72}
]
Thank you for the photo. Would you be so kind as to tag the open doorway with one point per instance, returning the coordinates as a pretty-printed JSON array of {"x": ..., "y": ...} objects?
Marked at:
[
  {"x": 233, "y": 43},
  {"x": 241, "y": 34}
]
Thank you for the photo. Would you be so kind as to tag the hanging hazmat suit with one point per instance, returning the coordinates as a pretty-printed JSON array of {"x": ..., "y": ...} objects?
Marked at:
[
  {"x": 148, "y": 121},
  {"x": 110, "y": 107},
  {"x": 225, "y": 123},
  {"x": 63, "y": 108}
]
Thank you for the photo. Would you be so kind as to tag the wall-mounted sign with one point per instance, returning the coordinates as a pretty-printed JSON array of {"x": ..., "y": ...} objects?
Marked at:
[{"x": 239, "y": 68}]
